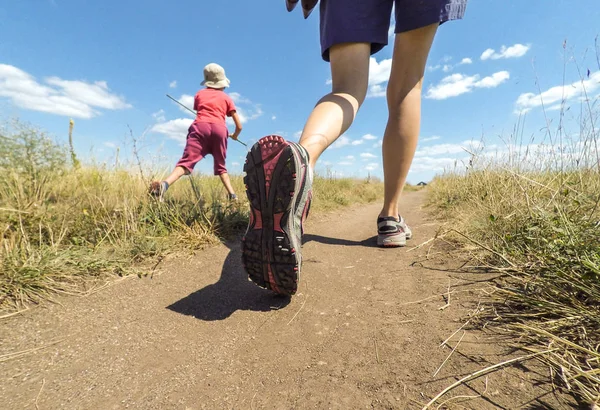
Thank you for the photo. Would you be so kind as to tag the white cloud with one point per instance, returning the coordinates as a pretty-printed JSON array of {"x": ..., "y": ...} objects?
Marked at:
[
  {"x": 239, "y": 99},
  {"x": 235, "y": 164},
  {"x": 379, "y": 74},
  {"x": 434, "y": 67},
  {"x": 372, "y": 166},
  {"x": 110, "y": 144},
  {"x": 342, "y": 141},
  {"x": 515, "y": 51},
  {"x": 367, "y": 155},
  {"x": 73, "y": 98},
  {"x": 159, "y": 116},
  {"x": 447, "y": 149},
  {"x": 428, "y": 139},
  {"x": 369, "y": 137},
  {"x": 487, "y": 54},
  {"x": 466, "y": 61},
  {"x": 298, "y": 134},
  {"x": 376, "y": 90},
  {"x": 274, "y": 117},
  {"x": 435, "y": 164},
  {"x": 378, "y": 144},
  {"x": 392, "y": 22},
  {"x": 494, "y": 80},
  {"x": 175, "y": 129},
  {"x": 173, "y": 84},
  {"x": 458, "y": 84},
  {"x": 188, "y": 101},
  {"x": 329, "y": 82},
  {"x": 246, "y": 109},
  {"x": 247, "y": 114},
  {"x": 555, "y": 107},
  {"x": 447, "y": 68},
  {"x": 357, "y": 142},
  {"x": 348, "y": 157},
  {"x": 557, "y": 94},
  {"x": 345, "y": 163},
  {"x": 533, "y": 156}
]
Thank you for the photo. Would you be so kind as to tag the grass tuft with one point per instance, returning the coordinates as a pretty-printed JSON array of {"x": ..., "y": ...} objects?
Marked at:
[
  {"x": 534, "y": 211},
  {"x": 66, "y": 226}
]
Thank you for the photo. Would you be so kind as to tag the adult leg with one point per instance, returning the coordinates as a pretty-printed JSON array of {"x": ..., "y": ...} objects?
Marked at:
[
  {"x": 336, "y": 111},
  {"x": 411, "y": 50}
]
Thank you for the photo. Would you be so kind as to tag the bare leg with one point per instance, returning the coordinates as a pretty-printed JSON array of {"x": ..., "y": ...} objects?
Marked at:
[
  {"x": 411, "y": 50},
  {"x": 227, "y": 182},
  {"x": 335, "y": 112},
  {"x": 177, "y": 173}
]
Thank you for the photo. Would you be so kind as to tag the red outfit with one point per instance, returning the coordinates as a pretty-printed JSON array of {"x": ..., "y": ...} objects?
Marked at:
[
  {"x": 208, "y": 134},
  {"x": 213, "y": 106}
]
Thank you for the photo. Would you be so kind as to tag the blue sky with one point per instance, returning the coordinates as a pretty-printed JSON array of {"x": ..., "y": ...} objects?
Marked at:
[{"x": 109, "y": 64}]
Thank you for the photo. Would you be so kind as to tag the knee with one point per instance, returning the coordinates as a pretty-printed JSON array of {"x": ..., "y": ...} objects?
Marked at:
[
  {"x": 407, "y": 89},
  {"x": 355, "y": 89}
]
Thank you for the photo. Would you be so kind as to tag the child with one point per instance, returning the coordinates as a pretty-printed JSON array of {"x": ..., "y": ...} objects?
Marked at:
[
  {"x": 208, "y": 133},
  {"x": 279, "y": 173}
]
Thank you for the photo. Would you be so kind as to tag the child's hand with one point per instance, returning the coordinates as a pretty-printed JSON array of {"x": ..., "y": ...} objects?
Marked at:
[{"x": 233, "y": 136}]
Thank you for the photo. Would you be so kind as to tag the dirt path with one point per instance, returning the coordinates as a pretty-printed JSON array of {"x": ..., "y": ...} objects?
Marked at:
[{"x": 198, "y": 335}]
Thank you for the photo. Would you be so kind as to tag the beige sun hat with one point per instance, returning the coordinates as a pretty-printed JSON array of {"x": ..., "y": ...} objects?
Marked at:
[{"x": 214, "y": 76}]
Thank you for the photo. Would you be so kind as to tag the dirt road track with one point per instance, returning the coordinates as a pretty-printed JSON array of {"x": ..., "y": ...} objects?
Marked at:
[{"x": 199, "y": 335}]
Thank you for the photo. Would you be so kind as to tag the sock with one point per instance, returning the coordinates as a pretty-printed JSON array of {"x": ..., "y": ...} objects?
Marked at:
[{"x": 165, "y": 185}]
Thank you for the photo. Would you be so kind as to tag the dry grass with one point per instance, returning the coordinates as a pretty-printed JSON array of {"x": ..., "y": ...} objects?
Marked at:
[
  {"x": 535, "y": 212},
  {"x": 66, "y": 227}
]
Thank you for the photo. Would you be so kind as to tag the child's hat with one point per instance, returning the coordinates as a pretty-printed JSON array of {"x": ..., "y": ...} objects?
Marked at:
[{"x": 214, "y": 76}]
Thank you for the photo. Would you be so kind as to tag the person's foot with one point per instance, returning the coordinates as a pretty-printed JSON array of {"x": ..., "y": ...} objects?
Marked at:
[
  {"x": 392, "y": 232},
  {"x": 158, "y": 189},
  {"x": 278, "y": 184}
]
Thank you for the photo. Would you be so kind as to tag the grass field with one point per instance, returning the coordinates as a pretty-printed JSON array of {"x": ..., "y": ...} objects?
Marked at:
[
  {"x": 532, "y": 214},
  {"x": 66, "y": 227}
]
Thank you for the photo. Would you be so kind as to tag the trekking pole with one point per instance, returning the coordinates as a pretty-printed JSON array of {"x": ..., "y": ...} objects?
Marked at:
[{"x": 195, "y": 114}]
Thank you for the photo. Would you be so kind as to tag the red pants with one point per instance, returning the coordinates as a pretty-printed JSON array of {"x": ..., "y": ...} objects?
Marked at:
[{"x": 205, "y": 138}]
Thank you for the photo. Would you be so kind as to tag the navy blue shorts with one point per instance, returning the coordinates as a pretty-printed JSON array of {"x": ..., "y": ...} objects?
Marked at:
[{"x": 368, "y": 21}]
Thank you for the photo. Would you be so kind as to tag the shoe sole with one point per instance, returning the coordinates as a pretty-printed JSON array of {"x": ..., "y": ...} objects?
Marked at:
[
  {"x": 392, "y": 241},
  {"x": 270, "y": 253}
]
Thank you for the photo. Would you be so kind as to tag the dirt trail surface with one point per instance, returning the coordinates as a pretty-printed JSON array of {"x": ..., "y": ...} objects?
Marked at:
[{"x": 363, "y": 332}]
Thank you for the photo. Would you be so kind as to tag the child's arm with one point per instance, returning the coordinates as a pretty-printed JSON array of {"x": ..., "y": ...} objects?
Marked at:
[{"x": 238, "y": 125}]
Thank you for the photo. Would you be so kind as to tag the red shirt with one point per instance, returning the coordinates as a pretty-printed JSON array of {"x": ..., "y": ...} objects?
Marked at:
[{"x": 213, "y": 106}]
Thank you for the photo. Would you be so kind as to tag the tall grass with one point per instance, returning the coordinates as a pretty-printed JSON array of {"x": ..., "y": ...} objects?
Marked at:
[
  {"x": 532, "y": 212},
  {"x": 65, "y": 225}
]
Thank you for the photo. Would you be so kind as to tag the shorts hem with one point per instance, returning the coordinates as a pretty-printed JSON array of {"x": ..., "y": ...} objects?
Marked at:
[
  {"x": 454, "y": 11},
  {"x": 377, "y": 43},
  {"x": 186, "y": 167}
]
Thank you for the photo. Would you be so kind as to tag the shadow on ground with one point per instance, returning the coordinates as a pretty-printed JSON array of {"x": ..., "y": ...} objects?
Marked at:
[
  {"x": 231, "y": 293},
  {"x": 369, "y": 242},
  {"x": 235, "y": 292}
]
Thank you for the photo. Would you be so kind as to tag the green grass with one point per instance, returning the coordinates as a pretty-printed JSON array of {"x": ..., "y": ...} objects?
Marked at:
[{"x": 66, "y": 226}]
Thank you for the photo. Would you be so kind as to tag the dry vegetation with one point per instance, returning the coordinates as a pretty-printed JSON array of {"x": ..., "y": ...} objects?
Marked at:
[
  {"x": 68, "y": 228},
  {"x": 533, "y": 213}
]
